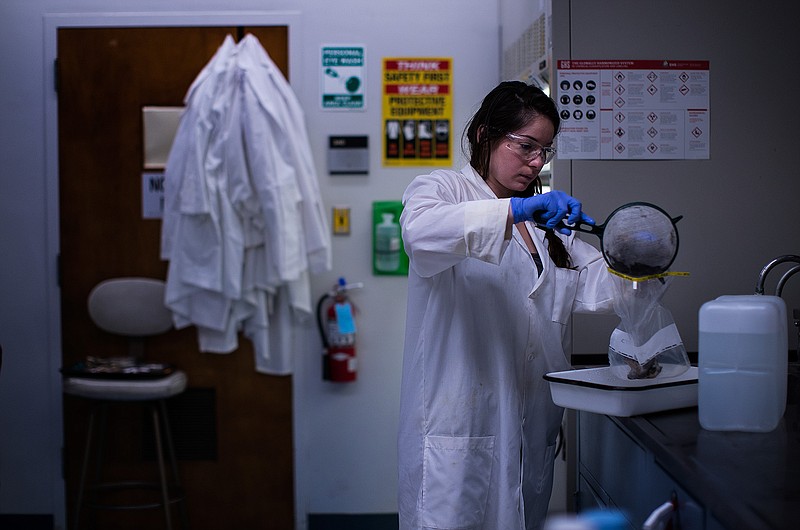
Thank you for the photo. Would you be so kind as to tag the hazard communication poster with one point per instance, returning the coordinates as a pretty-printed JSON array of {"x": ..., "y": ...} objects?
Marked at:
[
  {"x": 633, "y": 109},
  {"x": 417, "y": 111}
]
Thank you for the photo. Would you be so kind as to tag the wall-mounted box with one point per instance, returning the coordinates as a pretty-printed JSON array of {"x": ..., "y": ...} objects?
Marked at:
[{"x": 348, "y": 155}]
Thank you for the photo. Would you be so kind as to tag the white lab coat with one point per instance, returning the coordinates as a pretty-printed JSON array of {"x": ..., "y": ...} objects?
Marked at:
[
  {"x": 477, "y": 424},
  {"x": 244, "y": 223},
  {"x": 279, "y": 117},
  {"x": 201, "y": 235}
]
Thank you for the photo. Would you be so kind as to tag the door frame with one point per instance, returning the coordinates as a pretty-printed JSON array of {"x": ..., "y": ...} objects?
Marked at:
[{"x": 52, "y": 23}]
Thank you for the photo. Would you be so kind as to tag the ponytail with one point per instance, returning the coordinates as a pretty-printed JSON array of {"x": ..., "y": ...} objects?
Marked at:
[{"x": 557, "y": 251}]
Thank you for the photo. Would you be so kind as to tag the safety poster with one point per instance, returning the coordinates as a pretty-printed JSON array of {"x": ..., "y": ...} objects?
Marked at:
[
  {"x": 417, "y": 111},
  {"x": 633, "y": 110},
  {"x": 342, "y": 77}
]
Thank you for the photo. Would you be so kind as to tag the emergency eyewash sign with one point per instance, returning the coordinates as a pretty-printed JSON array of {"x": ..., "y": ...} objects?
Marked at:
[
  {"x": 342, "y": 78},
  {"x": 417, "y": 111},
  {"x": 633, "y": 110}
]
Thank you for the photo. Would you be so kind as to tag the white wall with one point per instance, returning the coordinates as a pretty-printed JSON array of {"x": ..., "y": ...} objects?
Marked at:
[{"x": 345, "y": 435}]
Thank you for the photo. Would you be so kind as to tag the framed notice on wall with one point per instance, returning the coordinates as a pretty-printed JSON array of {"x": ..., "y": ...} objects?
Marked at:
[
  {"x": 633, "y": 110},
  {"x": 417, "y": 111},
  {"x": 342, "y": 77}
]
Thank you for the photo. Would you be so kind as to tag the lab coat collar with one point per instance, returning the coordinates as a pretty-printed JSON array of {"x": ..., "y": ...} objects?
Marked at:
[
  {"x": 218, "y": 64},
  {"x": 476, "y": 180},
  {"x": 252, "y": 55}
]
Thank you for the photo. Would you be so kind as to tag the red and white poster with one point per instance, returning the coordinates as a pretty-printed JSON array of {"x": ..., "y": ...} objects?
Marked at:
[{"x": 633, "y": 110}]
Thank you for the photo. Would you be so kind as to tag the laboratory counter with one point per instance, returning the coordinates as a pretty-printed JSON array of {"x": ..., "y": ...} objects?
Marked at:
[{"x": 725, "y": 480}]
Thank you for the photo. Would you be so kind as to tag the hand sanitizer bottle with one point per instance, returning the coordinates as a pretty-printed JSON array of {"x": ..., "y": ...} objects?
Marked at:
[{"x": 387, "y": 244}]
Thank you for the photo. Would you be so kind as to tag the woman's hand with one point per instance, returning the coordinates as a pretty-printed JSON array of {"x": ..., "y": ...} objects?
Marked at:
[{"x": 549, "y": 209}]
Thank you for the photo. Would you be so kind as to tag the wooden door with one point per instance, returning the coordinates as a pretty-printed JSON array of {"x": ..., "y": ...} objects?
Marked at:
[{"x": 244, "y": 476}]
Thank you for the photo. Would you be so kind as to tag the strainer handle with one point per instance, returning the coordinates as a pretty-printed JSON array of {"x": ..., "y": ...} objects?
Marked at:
[{"x": 580, "y": 226}]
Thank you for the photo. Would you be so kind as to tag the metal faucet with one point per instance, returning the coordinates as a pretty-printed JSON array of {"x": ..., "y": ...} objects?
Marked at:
[
  {"x": 779, "y": 289},
  {"x": 762, "y": 276},
  {"x": 788, "y": 274}
]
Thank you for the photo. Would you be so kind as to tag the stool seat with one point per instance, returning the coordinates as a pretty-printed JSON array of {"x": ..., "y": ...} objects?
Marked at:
[{"x": 126, "y": 389}]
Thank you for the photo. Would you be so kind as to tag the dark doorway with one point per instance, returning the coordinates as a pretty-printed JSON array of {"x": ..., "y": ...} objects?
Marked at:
[{"x": 106, "y": 76}]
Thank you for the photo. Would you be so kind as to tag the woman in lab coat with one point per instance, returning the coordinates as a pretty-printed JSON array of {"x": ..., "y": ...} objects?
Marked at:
[{"x": 489, "y": 300}]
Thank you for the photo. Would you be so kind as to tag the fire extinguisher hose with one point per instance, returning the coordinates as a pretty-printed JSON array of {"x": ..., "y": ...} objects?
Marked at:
[{"x": 321, "y": 327}]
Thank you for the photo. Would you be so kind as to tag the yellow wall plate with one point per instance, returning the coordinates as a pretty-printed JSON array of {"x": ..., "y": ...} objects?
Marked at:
[{"x": 341, "y": 220}]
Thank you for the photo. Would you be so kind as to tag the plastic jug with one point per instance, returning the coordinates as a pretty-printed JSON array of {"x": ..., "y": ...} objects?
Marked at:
[{"x": 742, "y": 363}]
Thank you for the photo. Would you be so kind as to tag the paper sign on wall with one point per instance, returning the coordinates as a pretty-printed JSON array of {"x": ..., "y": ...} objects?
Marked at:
[
  {"x": 153, "y": 195},
  {"x": 159, "y": 127},
  {"x": 342, "y": 78},
  {"x": 417, "y": 111},
  {"x": 633, "y": 110}
]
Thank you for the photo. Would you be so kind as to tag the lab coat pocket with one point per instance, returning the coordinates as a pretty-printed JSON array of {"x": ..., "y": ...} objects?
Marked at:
[
  {"x": 455, "y": 482},
  {"x": 566, "y": 287}
]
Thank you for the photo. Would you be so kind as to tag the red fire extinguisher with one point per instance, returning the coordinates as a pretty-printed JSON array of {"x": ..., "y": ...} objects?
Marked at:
[{"x": 338, "y": 332}]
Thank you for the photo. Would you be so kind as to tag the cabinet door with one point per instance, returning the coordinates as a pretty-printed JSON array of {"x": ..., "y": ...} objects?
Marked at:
[
  {"x": 616, "y": 463},
  {"x": 588, "y": 496},
  {"x": 663, "y": 487},
  {"x": 616, "y": 471}
]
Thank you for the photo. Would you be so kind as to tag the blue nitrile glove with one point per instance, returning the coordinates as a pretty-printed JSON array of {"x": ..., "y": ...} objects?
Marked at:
[{"x": 549, "y": 209}]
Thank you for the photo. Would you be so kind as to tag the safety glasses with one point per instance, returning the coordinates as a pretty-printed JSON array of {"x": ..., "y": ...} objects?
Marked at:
[{"x": 529, "y": 149}]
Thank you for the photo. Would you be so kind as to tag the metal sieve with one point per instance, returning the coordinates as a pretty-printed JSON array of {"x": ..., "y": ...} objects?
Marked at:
[{"x": 638, "y": 239}]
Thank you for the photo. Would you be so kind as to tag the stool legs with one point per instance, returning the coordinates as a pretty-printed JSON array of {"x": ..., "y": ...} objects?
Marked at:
[
  {"x": 159, "y": 417},
  {"x": 161, "y": 472},
  {"x": 84, "y": 469},
  {"x": 162, "y": 407}
]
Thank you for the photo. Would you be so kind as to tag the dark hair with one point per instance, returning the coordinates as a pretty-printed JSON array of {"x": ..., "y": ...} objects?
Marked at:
[{"x": 507, "y": 108}]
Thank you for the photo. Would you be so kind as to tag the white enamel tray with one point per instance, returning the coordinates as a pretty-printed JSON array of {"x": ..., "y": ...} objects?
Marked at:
[{"x": 601, "y": 391}]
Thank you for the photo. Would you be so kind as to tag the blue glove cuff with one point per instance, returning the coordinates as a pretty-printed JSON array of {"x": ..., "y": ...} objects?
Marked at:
[{"x": 517, "y": 211}]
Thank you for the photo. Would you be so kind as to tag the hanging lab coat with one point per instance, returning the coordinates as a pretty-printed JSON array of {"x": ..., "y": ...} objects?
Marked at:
[
  {"x": 185, "y": 190},
  {"x": 287, "y": 236},
  {"x": 288, "y": 112},
  {"x": 244, "y": 223},
  {"x": 201, "y": 234},
  {"x": 477, "y": 424}
]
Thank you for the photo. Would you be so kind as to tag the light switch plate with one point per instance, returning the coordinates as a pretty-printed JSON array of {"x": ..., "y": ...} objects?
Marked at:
[{"x": 341, "y": 220}]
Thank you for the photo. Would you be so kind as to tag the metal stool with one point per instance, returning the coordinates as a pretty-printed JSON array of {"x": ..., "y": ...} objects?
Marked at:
[
  {"x": 152, "y": 394},
  {"x": 133, "y": 308}
]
